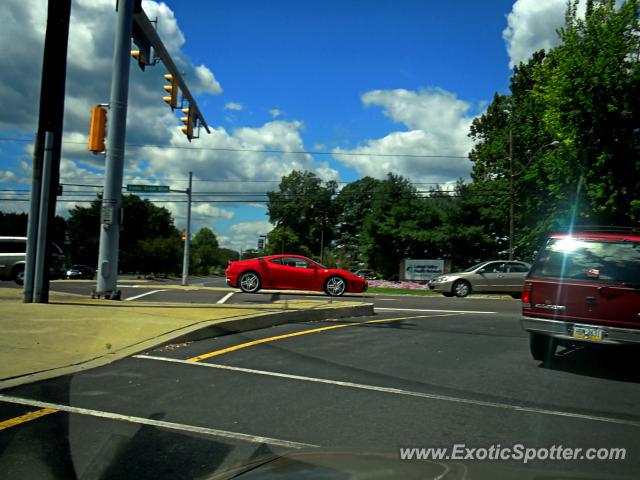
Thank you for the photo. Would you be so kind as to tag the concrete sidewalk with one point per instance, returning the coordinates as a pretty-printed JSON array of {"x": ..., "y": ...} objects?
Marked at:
[{"x": 72, "y": 333}]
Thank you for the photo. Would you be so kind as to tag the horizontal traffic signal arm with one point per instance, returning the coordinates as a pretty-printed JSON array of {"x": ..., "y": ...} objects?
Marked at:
[{"x": 145, "y": 27}]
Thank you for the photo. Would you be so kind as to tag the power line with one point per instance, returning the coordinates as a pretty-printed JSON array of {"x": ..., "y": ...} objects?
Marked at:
[{"x": 251, "y": 150}]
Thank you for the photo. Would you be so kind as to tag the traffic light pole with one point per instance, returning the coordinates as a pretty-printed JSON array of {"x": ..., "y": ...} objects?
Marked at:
[
  {"x": 116, "y": 127},
  {"x": 187, "y": 238}
]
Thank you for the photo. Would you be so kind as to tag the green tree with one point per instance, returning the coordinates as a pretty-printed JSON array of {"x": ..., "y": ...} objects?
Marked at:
[
  {"x": 204, "y": 250},
  {"x": 223, "y": 256},
  {"x": 590, "y": 85},
  {"x": 143, "y": 221},
  {"x": 161, "y": 254},
  {"x": 386, "y": 232},
  {"x": 353, "y": 204},
  {"x": 283, "y": 239},
  {"x": 304, "y": 206}
]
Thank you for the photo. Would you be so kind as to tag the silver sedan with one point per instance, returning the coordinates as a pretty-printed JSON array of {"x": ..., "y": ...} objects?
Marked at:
[{"x": 486, "y": 277}]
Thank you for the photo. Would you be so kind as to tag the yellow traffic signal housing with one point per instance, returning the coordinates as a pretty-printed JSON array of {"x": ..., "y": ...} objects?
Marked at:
[
  {"x": 189, "y": 121},
  {"x": 184, "y": 234},
  {"x": 97, "y": 129},
  {"x": 139, "y": 56},
  {"x": 172, "y": 90}
]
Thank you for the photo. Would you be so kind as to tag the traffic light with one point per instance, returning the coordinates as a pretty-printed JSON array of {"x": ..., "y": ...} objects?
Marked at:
[
  {"x": 189, "y": 121},
  {"x": 97, "y": 129},
  {"x": 172, "y": 90},
  {"x": 261, "y": 244},
  {"x": 140, "y": 57},
  {"x": 184, "y": 234}
]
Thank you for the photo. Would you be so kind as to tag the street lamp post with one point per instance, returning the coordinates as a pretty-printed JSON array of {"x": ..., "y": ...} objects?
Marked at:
[{"x": 511, "y": 195}]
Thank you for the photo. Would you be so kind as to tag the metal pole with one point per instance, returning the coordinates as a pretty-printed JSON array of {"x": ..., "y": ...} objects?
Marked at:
[
  {"x": 43, "y": 220},
  {"x": 511, "y": 195},
  {"x": 322, "y": 240},
  {"x": 112, "y": 199},
  {"x": 32, "y": 230},
  {"x": 187, "y": 239}
]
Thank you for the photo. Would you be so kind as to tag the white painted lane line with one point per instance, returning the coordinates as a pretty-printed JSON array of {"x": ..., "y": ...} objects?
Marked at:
[
  {"x": 226, "y": 297},
  {"x": 143, "y": 295},
  {"x": 421, "y": 310},
  {"x": 397, "y": 391},
  {"x": 156, "y": 423}
]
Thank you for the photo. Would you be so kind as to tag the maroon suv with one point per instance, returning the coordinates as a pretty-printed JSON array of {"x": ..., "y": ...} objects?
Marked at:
[{"x": 583, "y": 287}]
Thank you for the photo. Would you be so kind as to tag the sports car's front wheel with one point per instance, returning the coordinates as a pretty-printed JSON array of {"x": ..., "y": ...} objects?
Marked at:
[
  {"x": 249, "y": 282},
  {"x": 335, "y": 286}
]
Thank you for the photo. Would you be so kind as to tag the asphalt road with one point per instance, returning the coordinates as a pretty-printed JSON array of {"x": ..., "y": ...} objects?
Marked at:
[{"x": 422, "y": 372}]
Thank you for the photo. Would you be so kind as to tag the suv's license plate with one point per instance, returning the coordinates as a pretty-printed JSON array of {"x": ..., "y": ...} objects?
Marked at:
[{"x": 587, "y": 333}]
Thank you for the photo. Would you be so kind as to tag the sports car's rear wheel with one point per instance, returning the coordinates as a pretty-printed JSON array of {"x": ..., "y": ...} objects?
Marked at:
[
  {"x": 249, "y": 282},
  {"x": 335, "y": 286}
]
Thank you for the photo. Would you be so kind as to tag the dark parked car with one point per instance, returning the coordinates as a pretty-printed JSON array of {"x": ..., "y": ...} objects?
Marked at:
[
  {"x": 583, "y": 288},
  {"x": 80, "y": 272}
]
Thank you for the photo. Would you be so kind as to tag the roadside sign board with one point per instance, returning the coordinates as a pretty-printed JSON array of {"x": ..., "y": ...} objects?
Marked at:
[
  {"x": 148, "y": 188},
  {"x": 422, "y": 269}
]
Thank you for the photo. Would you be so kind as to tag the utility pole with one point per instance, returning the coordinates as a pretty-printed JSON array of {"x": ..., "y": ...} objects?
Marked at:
[
  {"x": 187, "y": 238},
  {"x": 511, "y": 194},
  {"x": 51, "y": 115},
  {"x": 112, "y": 198},
  {"x": 322, "y": 240}
]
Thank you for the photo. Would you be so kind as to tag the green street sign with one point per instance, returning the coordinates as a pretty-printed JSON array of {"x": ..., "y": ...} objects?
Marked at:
[{"x": 148, "y": 188}]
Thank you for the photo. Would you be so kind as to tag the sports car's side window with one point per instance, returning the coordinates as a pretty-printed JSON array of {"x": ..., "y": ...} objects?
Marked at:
[
  {"x": 295, "y": 262},
  {"x": 277, "y": 261}
]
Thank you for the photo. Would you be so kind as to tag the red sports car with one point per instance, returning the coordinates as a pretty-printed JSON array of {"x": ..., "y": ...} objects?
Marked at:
[{"x": 291, "y": 272}]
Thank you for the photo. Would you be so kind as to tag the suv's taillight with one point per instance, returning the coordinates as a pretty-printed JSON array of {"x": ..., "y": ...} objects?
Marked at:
[{"x": 527, "y": 293}]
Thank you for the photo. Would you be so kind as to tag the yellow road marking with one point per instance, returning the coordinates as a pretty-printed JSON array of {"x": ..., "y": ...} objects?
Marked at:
[
  {"x": 27, "y": 417},
  {"x": 205, "y": 356}
]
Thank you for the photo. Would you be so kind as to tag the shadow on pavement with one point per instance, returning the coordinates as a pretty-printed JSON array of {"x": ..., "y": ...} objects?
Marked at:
[{"x": 611, "y": 362}]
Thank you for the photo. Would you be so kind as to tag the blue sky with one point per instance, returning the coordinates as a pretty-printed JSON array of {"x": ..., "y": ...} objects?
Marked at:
[{"x": 340, "y": 77}]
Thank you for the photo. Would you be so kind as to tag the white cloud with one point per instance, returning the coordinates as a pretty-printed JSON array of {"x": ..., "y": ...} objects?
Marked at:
[
  {"x": 207, "y": 82},
  {"x": 7, "y": 176},
  {"x": 233, "y": 106},
  {"x": 275, "y": 113},
  {"x": 532, "y": 25},
  {"x": 245, "y": 235},
  {"x": 438, "y": 124}
]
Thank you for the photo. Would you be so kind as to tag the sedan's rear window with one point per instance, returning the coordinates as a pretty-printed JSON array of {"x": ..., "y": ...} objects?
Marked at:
[{"x": 598, "y": 261}]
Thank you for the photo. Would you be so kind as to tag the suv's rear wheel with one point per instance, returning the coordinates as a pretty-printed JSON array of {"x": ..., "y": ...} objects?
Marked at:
[
  {"x": 543, "y": 347},
  {"x": 18, "y": 274}
]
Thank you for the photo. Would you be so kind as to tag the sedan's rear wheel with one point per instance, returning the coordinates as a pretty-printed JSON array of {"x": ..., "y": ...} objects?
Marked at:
[
  {"x": 461, "y": 288},
  {"x": 249, "y": 282},
  {"x": 335, "y": 286}
]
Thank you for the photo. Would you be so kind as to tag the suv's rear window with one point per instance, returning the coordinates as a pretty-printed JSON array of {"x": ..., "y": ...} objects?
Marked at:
[{"x": 598, "y": 261}]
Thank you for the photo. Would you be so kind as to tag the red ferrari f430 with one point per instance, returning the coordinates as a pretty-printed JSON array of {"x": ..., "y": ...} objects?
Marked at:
[{"x": 291, "y": 272}]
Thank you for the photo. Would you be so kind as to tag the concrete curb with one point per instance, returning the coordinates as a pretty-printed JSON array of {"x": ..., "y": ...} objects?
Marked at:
[{"x": 198, "y": 331}]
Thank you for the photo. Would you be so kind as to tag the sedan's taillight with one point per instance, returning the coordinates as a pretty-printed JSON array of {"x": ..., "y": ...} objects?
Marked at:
[{"x": 527, "y": 294}]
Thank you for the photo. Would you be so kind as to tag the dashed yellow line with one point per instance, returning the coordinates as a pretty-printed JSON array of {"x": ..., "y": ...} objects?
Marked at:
[
  {"x": 215, "y": 353},
  {"x": 27, "y": 417}
]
